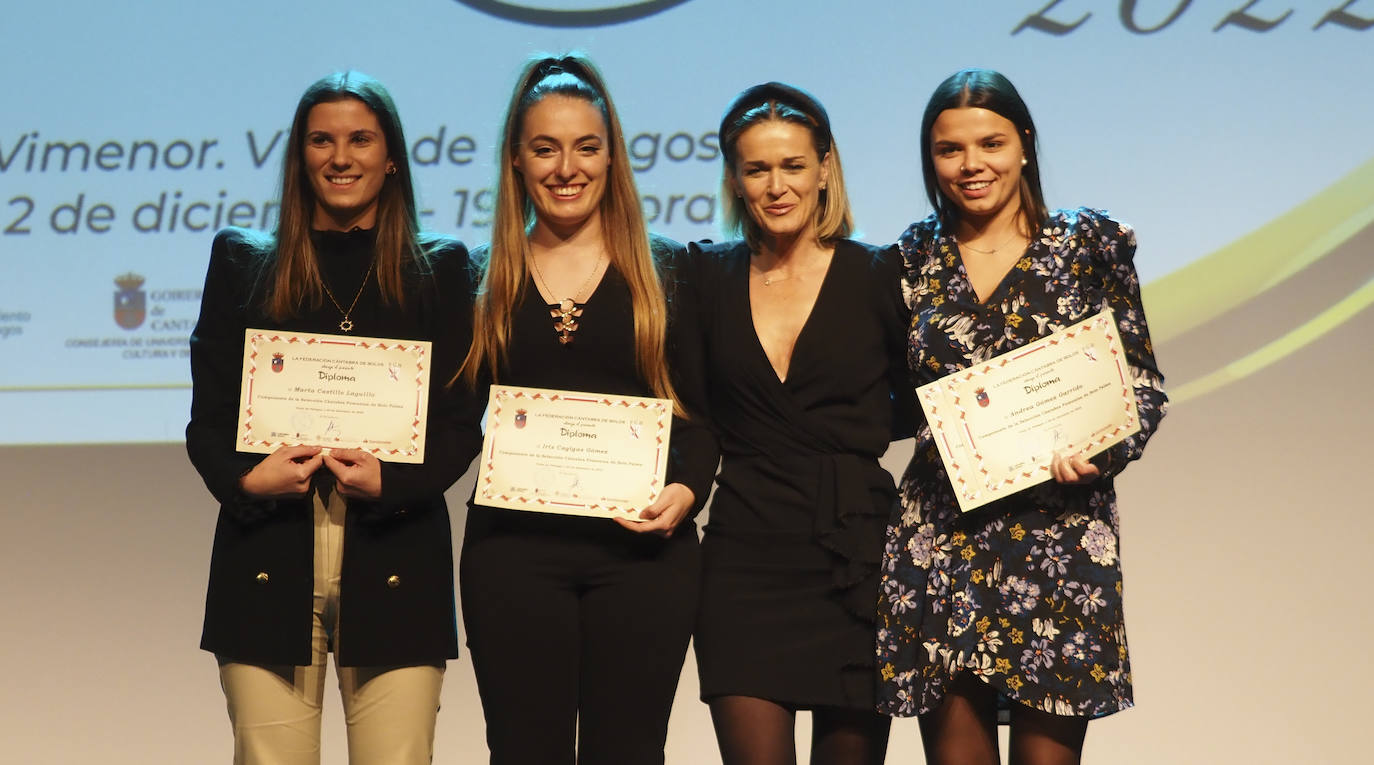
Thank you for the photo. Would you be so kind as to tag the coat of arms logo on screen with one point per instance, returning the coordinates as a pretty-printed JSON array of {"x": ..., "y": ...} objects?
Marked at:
[
  {"x": 570, "y": 13},
  {"x": 130, "y": 302}
]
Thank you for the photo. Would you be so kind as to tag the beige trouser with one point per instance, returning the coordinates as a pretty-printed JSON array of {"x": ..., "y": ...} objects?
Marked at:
[{"x": 275, "y": 710}]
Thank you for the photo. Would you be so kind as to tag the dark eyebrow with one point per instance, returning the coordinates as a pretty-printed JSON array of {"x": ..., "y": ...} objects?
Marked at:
[
  {"x": 551, "y": 139},
  {"x": 988, "y": 137},
  {"x": 351, "y": 134},
  {"x": 764, "y": 162}
]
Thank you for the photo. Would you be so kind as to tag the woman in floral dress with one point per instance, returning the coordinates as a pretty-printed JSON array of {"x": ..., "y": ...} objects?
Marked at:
[{"x": 1016, "y": 603}]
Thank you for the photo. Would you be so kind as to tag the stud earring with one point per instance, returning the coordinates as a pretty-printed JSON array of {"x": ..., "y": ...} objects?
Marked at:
[{"x": 1024, "y": 162}]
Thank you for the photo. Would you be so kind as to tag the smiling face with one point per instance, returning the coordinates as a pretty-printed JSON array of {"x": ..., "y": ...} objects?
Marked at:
[
  {"x": 563, "y": 159},
  {"x": 346, "y": 159},
  {"x": 779, "y": 177},
  {"x": 977, "y": 156}
]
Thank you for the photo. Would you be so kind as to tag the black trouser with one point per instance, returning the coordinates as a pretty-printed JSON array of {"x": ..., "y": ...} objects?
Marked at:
[{"x": 577, "y": 631}]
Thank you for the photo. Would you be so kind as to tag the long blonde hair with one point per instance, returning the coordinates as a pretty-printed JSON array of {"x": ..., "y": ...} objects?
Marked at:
[
  {"x": 503, "y": 271},
  {"x": 292, "y": 272}
]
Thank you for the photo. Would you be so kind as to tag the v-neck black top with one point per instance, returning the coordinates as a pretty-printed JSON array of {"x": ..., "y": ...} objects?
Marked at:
[
  {"x": 600, "y": 356},
  {"x": 601, "y": 359},
  {"x": 847, "y": 365}
]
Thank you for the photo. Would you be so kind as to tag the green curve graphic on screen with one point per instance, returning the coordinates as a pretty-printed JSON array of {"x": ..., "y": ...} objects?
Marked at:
[
  {"x": 1217, "y": 283},
  {"x": 1274, "y": 351},
  {"x": 1268, "y": 256}
]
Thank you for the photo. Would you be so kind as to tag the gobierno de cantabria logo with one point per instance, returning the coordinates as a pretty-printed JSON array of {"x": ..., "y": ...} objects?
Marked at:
[{"x": 571, "y": 13}]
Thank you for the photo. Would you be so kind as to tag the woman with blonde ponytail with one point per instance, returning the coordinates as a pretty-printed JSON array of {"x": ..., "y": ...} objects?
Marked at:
[{"x": 571, "y": 296}]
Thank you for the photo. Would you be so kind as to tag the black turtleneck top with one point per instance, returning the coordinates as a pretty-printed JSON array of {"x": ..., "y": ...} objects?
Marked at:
[{"x": 601, "y": 359}]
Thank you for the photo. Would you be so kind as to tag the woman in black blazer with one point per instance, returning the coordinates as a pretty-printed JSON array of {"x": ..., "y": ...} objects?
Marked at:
[{"x": 333, "y": 551}]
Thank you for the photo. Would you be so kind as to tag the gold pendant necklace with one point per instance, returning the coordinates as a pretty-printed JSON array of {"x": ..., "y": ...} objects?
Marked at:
[
  {"x": 347, "y": 324},
  {"x": 567, "y": 311}
]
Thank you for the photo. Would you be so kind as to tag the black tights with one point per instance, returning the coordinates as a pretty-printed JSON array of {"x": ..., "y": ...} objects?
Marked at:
[
  {"x": 754, "y": 731},
  {"x": 963, "y": 730}
]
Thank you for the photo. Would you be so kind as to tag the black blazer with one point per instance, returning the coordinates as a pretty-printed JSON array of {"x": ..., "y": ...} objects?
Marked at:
[{"x": 396, "y": 592}]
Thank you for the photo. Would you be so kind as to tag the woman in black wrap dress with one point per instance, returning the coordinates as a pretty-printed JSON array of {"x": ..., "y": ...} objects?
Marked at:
[{"x": 802, "y": 335}]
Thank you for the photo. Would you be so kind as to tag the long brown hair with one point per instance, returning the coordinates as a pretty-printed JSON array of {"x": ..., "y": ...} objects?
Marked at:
[
  {"x": 292, "y": 273},
  {"x": 503, "y": 270}
]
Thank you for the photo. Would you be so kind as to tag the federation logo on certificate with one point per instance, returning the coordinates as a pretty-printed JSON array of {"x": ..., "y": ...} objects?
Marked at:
[{"x": 573, "y": 453}]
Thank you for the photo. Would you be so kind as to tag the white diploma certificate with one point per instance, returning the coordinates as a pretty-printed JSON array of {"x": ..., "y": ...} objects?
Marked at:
[
  {"x": 998, "y": 424},
  {"x": 574, "y": 453},
  {"x": 335, "y": 391}
]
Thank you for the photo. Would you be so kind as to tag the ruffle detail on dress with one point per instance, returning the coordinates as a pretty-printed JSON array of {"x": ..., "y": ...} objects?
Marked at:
[
  {"x": 851, "y": 524},
  {"x": 855, "y": 497}
]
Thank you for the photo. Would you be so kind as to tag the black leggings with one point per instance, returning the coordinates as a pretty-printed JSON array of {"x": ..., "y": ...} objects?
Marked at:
[{"x": 577, "y": 631}]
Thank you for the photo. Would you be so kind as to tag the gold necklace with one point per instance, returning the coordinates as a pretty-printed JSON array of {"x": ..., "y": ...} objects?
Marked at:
[
  {"x": 993, "y": 251},
  {"x": 566, "y": 312},
  {"x": 347, "y": 324}
]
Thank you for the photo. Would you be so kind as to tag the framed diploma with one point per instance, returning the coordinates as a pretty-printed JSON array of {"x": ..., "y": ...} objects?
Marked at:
[
  {"x": 999, "y": 423},
  {"x": 574, "y": 453},
  {"x": 334, "y": 390}
]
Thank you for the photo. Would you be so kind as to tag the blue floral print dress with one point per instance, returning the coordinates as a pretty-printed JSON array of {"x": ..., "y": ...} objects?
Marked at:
[{"x": 1024, "y": 592}]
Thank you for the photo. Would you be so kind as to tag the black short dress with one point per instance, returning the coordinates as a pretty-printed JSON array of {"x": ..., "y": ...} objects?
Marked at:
[{"x": 796, "y": 526}]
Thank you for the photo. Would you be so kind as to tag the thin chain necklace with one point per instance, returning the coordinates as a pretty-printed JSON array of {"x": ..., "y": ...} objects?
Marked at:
[
  {"x": 770, "y": 277},
  {"x": 567, "y": 311},
  {"x": 993, "y": 251},
  {"x": 347, "y": 324}
]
